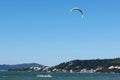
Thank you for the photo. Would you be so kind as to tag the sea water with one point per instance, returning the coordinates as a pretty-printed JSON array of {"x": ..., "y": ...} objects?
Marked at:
[{"x": 58, "y": 76}]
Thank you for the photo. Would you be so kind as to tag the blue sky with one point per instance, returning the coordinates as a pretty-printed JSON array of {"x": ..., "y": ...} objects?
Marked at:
[{"x": 44, "y": 31}]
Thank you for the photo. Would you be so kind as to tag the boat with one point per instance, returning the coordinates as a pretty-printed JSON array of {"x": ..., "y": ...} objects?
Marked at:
[{"x": 47, "y": 75}]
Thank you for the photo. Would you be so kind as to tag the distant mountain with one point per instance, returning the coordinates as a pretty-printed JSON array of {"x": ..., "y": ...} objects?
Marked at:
[
  {"x": 97, "y": 65},
  {"x": 19, "y": 66}
]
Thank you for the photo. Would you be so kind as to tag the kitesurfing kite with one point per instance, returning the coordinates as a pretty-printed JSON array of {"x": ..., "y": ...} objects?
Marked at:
[{"x": 78, "y": 9}]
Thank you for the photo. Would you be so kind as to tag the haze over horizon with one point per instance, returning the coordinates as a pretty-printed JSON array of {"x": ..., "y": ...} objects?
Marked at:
[{"x": 44, "y": 32}]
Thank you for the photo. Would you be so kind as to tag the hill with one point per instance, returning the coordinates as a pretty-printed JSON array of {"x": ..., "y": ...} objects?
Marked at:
[
  {"x": 19, "y": 66},
  {"x": 98, "y": 65}
]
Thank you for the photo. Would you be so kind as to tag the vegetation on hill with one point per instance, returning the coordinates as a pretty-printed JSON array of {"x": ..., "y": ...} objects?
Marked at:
[
  {"x": 98, "y": 65},
  {"x": 83, "y": 66}
]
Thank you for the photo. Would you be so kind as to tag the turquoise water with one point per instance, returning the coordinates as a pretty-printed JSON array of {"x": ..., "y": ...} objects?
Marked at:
[{"x": 58, "y": 76}]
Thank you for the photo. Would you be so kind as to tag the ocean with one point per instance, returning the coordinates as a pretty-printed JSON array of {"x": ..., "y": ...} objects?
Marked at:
[{"x": 58, "y": 76}]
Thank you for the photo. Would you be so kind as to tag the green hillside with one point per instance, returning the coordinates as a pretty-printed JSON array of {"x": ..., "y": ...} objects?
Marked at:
[{"x": 98, "y": 65}]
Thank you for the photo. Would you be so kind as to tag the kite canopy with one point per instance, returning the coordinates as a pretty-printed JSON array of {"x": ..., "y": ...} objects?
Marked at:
[{"x": 78, "y": 9}]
